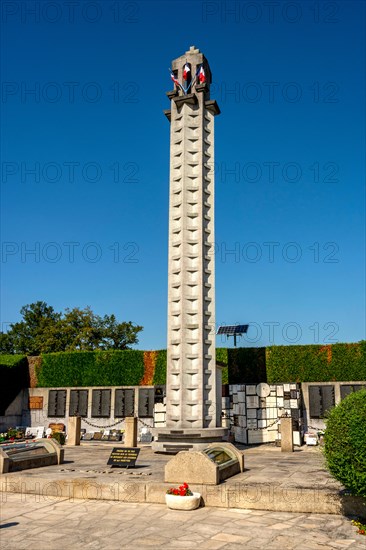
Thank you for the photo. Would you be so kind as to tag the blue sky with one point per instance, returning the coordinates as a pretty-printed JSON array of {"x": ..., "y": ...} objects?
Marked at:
[{"x": 85, "y": 161}]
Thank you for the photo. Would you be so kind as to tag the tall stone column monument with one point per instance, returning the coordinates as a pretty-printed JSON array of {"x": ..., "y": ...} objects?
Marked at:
[{"x": 193, "y": 393}]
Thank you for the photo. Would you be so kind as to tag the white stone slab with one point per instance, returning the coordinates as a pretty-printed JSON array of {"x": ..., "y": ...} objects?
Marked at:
[
  {"x": 241, "y": 397},
  {"x": 271, "y": 402},
  {"x": 257, "y": 436},
  {"x": 251, "y": 390},
  {"x": 252, "y": 413},
  {"x": 241, "y": 436},
  {"x": 252, "y": 401},
  {"x": 272, "y": 412},
  {"x": 279, "y": 391},
  {"x": 242, "y": 410},
  {"x": 252, "y": 423},
  {"x": 242, "y": 420}
]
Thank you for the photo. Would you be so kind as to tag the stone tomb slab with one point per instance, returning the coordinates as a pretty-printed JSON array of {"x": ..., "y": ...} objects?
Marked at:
[{"x": 216, "y": 463}]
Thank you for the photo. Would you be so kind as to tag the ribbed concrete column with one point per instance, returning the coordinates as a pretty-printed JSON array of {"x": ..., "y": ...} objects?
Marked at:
[{"x": 191, "y": 365}]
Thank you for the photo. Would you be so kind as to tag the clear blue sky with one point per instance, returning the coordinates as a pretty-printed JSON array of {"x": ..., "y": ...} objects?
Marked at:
[{"x": 290, "y": 150}]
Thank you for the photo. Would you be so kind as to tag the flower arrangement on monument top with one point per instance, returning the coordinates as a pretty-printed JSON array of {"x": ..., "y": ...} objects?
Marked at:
[{"x": 182, "y": 491}]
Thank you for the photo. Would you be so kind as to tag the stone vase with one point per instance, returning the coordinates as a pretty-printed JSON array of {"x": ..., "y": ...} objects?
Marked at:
[{"x": 176, "y": 502}]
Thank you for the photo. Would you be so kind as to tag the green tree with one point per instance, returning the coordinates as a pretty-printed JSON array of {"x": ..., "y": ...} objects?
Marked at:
[
  {"x": 43, "y": 330},
  {"x": 82, "y": 330},
  {"x": 6, "y": 344},
  {"x": 119, "y": 335},
  {"x": 37, "y": 332}
]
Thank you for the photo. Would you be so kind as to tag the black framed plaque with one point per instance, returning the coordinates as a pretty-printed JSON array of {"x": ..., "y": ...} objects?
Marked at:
[{"x": 123, "y": 457}]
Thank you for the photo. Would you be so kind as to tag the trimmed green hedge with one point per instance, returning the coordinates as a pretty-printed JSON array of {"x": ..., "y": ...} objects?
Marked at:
[
  {"x": 247, "y": 365},
  {"x": 308, "y": 363},
  {"x": 11, "y": 360},
  {"x": 349, "y": 360},
  {"x": 222, "y": 360},
  {"x": 14, "y": 376},
  {"x": 316, "y": 363},
  {"x": 160, "y": 368},
  {"x": 92, "y": 368}
]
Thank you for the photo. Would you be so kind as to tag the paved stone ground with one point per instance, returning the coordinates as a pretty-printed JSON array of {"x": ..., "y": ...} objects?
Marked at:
[
  {"x": 29, "y": 522},
  {"x": 263, "y": 464}
]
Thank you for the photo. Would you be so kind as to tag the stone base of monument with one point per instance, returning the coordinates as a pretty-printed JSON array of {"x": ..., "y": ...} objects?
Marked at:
[
  {"x": 217, "y": 462},
  {"x": 186, "y": 439}
]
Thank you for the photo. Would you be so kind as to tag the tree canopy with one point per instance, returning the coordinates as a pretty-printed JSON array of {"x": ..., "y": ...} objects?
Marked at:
[{"x": 43, "y": 330}]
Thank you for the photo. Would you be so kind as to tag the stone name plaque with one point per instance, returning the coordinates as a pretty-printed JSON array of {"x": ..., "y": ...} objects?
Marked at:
[{"x": 123, "y": 457}]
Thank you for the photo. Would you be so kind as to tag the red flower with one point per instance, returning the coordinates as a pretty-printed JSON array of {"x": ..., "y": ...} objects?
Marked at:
[{"x": 183, "y": 490}]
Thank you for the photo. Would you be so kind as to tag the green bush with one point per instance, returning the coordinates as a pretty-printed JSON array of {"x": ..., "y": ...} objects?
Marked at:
[
  {"x": 92, "y": 368},
  {"x": 345, "y": 442},
  {"x": 160, "y": 368},
  {"x": 59, "y": 437}
]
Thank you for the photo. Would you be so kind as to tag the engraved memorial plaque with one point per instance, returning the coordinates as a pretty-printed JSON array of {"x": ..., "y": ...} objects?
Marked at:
[
  {"x": 101, "y": 403},
  {"x": 124, "y": 403},
  {"x": 56, "y": 403},
  {"x": 35, "y": 402},
  {"x": 123, "y": 457},
  {"x": 146, "y": 402},
  {"x": 78, "y": 403}
]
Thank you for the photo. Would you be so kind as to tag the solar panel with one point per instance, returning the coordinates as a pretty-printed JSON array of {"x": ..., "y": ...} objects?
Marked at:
[{"x": 233, "y": 329}]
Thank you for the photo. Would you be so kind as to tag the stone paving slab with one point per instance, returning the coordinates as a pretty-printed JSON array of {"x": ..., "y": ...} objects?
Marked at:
[
  {"x": 272, "y": 480},
  {"x": 49, "y": 523}
]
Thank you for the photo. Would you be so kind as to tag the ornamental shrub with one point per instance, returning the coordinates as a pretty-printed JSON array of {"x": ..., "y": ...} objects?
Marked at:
[
  {"x": 345, "y": 442},
  {"x": 59, "y": 437}
]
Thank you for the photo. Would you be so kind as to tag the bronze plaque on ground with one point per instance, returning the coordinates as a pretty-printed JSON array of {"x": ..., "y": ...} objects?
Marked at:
[{"x": 123, "y": 457}]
